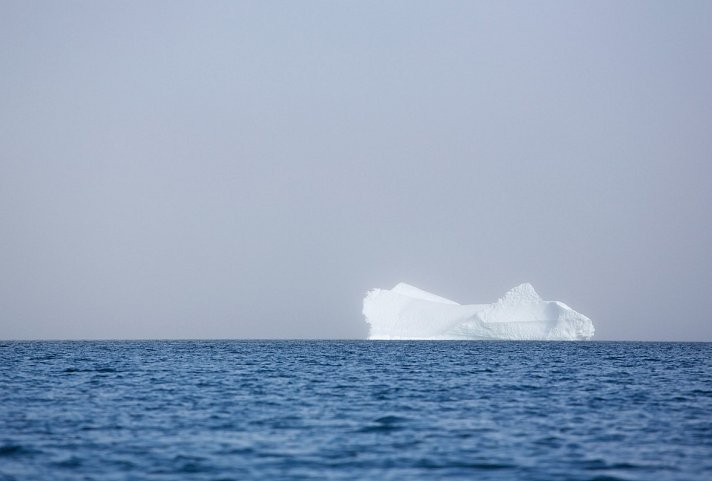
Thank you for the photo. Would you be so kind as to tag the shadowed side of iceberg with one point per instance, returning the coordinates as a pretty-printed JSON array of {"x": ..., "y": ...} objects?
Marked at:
[{"x": 406, "y": 312}]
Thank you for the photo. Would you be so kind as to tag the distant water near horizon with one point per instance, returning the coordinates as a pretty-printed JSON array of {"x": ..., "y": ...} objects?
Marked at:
[{"x": 348, "y": 410}]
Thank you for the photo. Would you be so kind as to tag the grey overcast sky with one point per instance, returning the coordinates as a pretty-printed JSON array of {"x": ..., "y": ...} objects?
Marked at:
[{"x": 209, "y": 169}]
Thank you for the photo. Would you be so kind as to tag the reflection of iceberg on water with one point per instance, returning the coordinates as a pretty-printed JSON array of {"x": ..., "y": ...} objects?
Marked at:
[{"x": 406, "y": 312}]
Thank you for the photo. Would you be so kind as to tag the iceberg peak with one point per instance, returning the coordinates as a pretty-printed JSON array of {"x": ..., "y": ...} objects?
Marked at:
[
  {"x": 523, "y": 292},
  {"x": 406, "y": 312}
]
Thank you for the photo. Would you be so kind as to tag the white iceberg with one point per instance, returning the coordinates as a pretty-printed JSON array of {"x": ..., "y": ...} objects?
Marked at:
[{"x": 406, "y": 312}]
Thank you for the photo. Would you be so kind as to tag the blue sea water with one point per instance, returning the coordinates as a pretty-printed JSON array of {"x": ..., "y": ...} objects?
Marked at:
[{"x": 290, "y": 410}]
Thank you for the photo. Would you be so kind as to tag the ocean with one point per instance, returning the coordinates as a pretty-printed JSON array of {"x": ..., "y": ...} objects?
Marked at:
[{"x": 355, "y": 410}]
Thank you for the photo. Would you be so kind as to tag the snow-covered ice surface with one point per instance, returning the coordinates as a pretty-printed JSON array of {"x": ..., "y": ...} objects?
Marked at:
[{"x": 406, "y": 312}]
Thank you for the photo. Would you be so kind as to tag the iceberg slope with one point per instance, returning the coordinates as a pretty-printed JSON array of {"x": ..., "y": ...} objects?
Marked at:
[{"x": 406, "y": 312}]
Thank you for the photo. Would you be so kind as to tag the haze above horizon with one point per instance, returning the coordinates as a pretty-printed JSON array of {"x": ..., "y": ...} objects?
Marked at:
[{"x": 250, "y": 169}]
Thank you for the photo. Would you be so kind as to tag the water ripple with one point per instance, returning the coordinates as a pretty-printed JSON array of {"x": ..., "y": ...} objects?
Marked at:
[{"x": 347, "y": 410}]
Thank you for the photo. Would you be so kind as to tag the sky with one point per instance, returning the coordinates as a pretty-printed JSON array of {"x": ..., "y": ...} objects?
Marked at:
[{"x": 227, "y": 169}]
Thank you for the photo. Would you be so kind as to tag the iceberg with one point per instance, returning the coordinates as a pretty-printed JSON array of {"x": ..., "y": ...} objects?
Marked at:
[{"x": 406, "y": 312}]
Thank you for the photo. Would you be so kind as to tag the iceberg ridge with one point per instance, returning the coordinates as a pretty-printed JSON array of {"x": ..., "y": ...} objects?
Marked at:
[{"x": 406, "y": 312}]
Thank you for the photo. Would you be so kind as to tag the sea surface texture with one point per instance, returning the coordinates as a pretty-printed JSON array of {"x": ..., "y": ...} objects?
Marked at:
[{"x": 371, "y": 410}]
